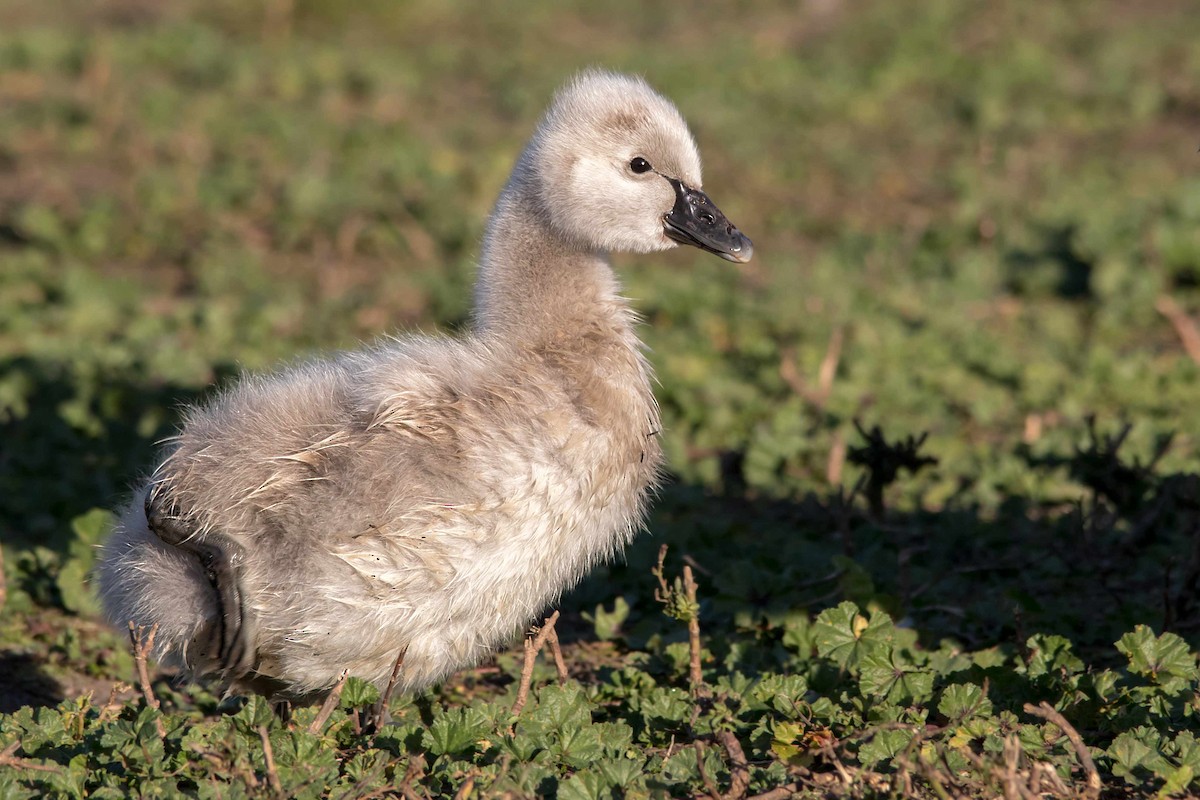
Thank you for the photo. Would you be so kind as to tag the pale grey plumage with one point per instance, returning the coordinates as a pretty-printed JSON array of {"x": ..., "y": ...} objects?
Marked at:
[{"x": 433, "y": 494}]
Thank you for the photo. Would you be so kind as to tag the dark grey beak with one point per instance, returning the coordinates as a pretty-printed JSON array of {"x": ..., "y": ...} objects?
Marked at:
[{"x": 696, "y": 221}]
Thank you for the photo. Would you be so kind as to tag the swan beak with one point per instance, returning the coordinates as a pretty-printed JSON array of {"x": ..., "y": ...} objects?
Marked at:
[{"x": 695, "y": 220}]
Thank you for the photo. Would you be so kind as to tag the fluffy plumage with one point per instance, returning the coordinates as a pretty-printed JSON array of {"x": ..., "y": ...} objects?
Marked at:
[{"x": 433, "y": 494}]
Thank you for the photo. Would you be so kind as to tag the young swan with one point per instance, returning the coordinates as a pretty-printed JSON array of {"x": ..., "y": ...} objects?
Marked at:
[{"x": 432, "y": 495}]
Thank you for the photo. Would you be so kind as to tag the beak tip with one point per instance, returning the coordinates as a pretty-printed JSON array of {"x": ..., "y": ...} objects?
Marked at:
[{"x": 743, "y": 252}]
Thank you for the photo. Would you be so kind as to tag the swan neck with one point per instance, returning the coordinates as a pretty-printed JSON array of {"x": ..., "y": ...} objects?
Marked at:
[{"x": 533, "y": 280}]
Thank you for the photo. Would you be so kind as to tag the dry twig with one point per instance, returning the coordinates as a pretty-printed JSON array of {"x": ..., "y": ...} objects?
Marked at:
[
  {"x": 739, "y": 767},
  {"x": 778, "y": 793},
  {"x": 141, "y": 653},
  {"x": 1047, "y": 712},
  {"x": 694, "y": 673},
  {"x": 532, "y": 645},
  {"x": 739, "y": 770},
  {"x": 113, "y": 706},
  {"x": 465, "y": 790},
  {"x": 836, "y": 460},
  {"x": 825, "y": 373},
  {"x": 709, "y": 786},
  {"x": 556, "y": 651},
  {"x": 269, "y": 758},
  {"x": 412, "y": 776},
  {"x": 380, "y": 713},
  {"x": 1185, "y": 327},
  {"x": 9, "y": 758},
  {"x": 829, "y": 365},
  {"x": 331, "y": 702}
]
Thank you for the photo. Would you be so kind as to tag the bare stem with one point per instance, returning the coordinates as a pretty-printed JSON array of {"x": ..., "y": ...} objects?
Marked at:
[
  {"x": 694, "y": 673},
  {"x": 663, "y": 592},
  {"x": 709, "y": 786},
  {"x": 778, "y": 793},
  {"x": 1185, "y": 327},
  {"x": 381, "y": 708},
  {"x": 556, "y": 651},
  {"x": 532, "y": 645},
  {"x": 739, "y": 767},
  {"x": 141, "y": 654},
  {"x": 464, "y": 791},
  {"x": 331, "y": 702},
  {"x": 9, "y": 758},
  {"x": 1047, "y": 712},
  {"x": 412, "y": 777},
  {"x": 269, "y": 757}
]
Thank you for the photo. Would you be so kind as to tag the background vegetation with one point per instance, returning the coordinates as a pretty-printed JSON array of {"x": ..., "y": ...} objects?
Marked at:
[{"x": 977, "y": 221}]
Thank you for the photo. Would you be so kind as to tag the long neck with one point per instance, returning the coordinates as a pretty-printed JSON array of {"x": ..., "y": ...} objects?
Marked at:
[{"x": 535, "y": 285}]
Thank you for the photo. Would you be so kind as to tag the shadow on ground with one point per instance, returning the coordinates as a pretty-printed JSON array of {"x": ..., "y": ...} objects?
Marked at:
[
  {"x": 26, "y": 683},
  {"x": 1127, "y": 553}
]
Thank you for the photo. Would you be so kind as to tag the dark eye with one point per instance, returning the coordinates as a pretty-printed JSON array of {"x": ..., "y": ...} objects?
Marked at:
[{"x": 639, "y": 165}]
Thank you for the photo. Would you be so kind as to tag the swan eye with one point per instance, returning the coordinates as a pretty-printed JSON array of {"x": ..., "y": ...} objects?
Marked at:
[{"x": 639, "y": 165}]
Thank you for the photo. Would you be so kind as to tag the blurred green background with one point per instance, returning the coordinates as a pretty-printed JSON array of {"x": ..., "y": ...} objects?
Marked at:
[
  {"x": 971, "y": 219},
  {"x": 978, "y": 221}
]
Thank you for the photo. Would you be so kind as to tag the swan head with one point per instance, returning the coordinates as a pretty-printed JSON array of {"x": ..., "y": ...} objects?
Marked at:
[{"x": 615, "y": 168}]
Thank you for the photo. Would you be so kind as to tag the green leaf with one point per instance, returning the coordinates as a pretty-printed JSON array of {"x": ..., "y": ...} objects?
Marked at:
[
  {"x": 607, "y": 624},
  {"x": 1177, "y": 781},
  {"x": 1137, "y": 751},
  {"x": 584, "y": 785},
  {"x": 1187, "y": 750},
  {"x": 961, "y": 701},
  {"x": 255, "y": 714},
  {"x": 358, "y": 693},
  {"x": 89, "y": 530},
  {"x": 11, "y": 788},
  {"x": 1166, "y": 655},
  {"x": 1051, "y": 655},
  {"x": 782, "y": 693},
  {"x": 616, "y": 736},
  {"x": 798, "y": 634},
  {"x": 622, "y": 773},
  {"x": 579, "y": 745},
  {"x": 884, "y": 675},
  {"x": 847, "y": 637},
  {"x": 456, "y": 731},
  {"x": 563, "y": 706},
  {"x": 784, "y": 742},
  {"x": 884, "y": 746},
  {"x": 1104, "y": 684},
  {"x": 667, "y": 703}
]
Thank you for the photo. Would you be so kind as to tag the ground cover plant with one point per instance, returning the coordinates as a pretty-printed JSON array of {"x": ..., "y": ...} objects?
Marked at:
[{"x": 933, "y": 524}]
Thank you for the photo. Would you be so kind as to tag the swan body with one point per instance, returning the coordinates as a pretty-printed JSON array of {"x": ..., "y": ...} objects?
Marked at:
[{"x": 432, "y": 495}]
